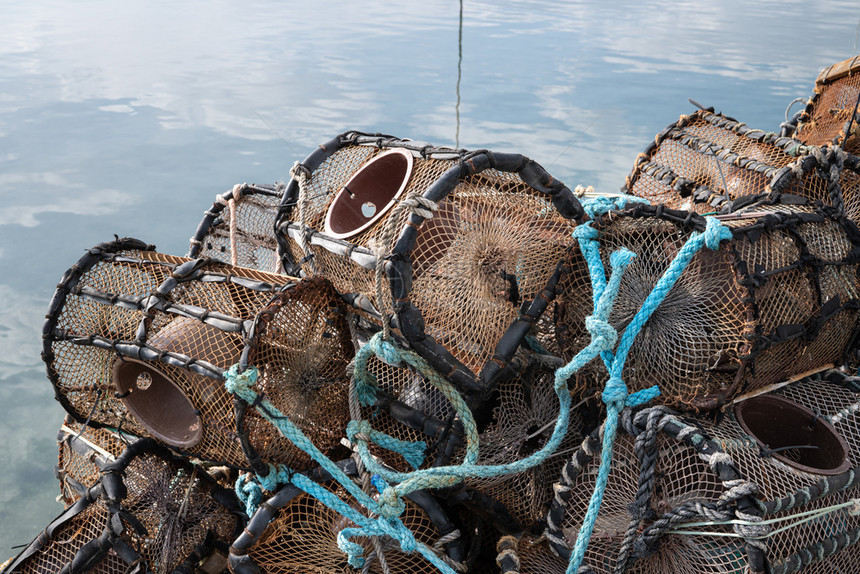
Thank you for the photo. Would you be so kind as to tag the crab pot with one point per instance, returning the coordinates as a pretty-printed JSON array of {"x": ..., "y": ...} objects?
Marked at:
[
  {"x": 149, "y": 512},
  {"x": 795, "y": 449},
  {"x": 292, "y": 531},
  {"x": 82, "y": 454},
  {"x": 300, "y": 344},
  {"x": 777, "y": 301},
  {"x": 707, "y": 162},
  {"x": 139, "y": 341},
  {"x": 464, "y": 285},
  {"x": 238, "y": 228},
  {"x": 830, "y": 116}
]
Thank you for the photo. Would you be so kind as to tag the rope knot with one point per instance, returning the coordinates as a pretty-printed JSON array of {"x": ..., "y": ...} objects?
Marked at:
[
  {"x": 615, "y": 392},
  {"x": 236, "y": 382},
  {"x": 715, "y": 233},
  {"x": 390, "y": 505},
  {"x": 602, "y": 333},
  {"x": 300, "y": 173},
  {"x": 584, "y": 232}
]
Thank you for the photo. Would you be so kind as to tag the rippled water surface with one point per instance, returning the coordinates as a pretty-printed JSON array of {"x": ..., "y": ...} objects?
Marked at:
[{"x": 129, "y": 119}]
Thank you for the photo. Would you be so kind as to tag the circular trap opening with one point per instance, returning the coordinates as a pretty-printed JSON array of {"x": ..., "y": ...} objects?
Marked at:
[
  {"x": 157, "y": 403},
  {"x": 369, "y": 194},
  {"x": 793, "y": 434}
]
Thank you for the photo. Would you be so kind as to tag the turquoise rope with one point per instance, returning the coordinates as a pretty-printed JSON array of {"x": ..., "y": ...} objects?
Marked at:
[
  {"x": 603, "y": 339},
  {"x": 615, "y": 392},
  {"x": 387, "y": 522},
  {"x": 412, "y": 451}
]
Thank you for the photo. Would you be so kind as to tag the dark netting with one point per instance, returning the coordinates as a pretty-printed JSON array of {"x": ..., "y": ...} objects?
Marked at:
[
  {"x": 148, "y": 512},
  {"x": 409, "y": 408},
  {"x": 300, "y": 345},
  {"x": 777, "y": 301},
  {"x": 239, "y": 228},
  {"x": 83, "y": 452},
  {"x": 831, "y": 113},
  {"x": 782, "y": 464},
  {"x": 522, "y": 422},
  {"x": 470, "y": 241},
  {"x": 528, "y": 555},
  {"x": 710, "y": 163},
  {"x": 296, "y": 533},
  {"x": 139, "y": 341}
]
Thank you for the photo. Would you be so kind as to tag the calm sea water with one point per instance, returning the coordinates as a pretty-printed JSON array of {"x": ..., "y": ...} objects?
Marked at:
[{"x": 129, "y": 119}]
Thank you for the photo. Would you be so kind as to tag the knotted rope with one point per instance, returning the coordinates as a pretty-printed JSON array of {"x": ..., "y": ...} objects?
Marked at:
[
  {"x": 615, "y": 394},
  {"x": 388, "y": 510}
]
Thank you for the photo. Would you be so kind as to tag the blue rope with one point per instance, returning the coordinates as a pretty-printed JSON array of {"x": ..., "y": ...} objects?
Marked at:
[
  {"x": 387, "y": 523},
  {"x": 615, "y": 394},
  {"x": 603, "y": 339}
]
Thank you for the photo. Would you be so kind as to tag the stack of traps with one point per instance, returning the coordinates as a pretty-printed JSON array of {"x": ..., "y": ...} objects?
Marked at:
[{"x": 467, "y": 263}]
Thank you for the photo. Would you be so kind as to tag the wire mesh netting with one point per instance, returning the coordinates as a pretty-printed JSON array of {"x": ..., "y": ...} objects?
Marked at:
[
  {"x": 138, "y": 340},
  {"x": 677, "y": 484},
  {"x": 778, "y": 300},
  {"x": 83, "y": 451},
  {"x": 465, "y": 243},
  {"x": 830, "y": 114},
  {"x": 710, "y": 163},
  {"x": 148, "y": 512},
  {"x": 238, "y": 228},
  {"x": 297, "y": 533},
  {"x": 301, "y": 345}
]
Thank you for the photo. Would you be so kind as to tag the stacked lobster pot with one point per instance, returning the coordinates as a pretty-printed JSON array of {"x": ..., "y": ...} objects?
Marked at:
[
  {"x": 741, "y": 291},
  {"x": 414, "y": 359}
]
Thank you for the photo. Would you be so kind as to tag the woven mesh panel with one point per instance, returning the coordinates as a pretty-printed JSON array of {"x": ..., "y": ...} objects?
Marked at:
[
  {"x": 492, "y": 243},
  {"x": 82, "y": 451},
  {"x": 68, "y": 539},
  {"x": 705, "y": 160},
  {"x": 241, "y": 231},
  {"x": 95, "y": 337},
  {"x": 176, "y": 509},
  {"x": 422, "y": 401},
  {"x": 301, "y": 348},
  {"x": 536, "y": 557},
  {"x": 167, "y": 497},
  {"x": 836, "y": 92},
  {"x": 683, "y": 476},
  {"x": 302, "y": 539},
  {"x": 522, "y": 423},
  {"x": 764, "y": 307}
]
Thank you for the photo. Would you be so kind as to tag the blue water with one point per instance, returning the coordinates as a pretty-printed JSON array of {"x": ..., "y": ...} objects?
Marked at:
[{"x": 129, "y": 119}]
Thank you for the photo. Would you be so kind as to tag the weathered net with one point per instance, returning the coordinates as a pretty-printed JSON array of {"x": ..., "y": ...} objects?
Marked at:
[
  {"x": 149, "y": 512},
  {"x": 239, "y": 228},
  {"x": 300, "y": 344},
  {"x": 470, "y": 244},
  {"x": 139, "y": 341},
  {"x": 82, "y": 453},
  {"x": 709, "y": 163},
  {"x": 521, "y": 424},
  {"x": 297, "y": 533},
  {"x": 830, "y": 114},
  {"x": 528, "y": 555},
  {"x": 778, "y": 300},
  {"x": 677, "y": 472}
]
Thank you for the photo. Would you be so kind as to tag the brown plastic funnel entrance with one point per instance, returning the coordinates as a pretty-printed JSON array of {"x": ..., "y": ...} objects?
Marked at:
[
  {"x": 157, "y": 403},
  {"x": 369, "y": 194},
  {"x": 776, "y": 422}
]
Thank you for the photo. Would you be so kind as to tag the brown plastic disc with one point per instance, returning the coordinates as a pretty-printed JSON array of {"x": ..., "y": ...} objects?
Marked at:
[
  {"x": 157, "y": 403},
  {"x": 369, "y": 194},
  {"x": 810, "y": 443}
]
